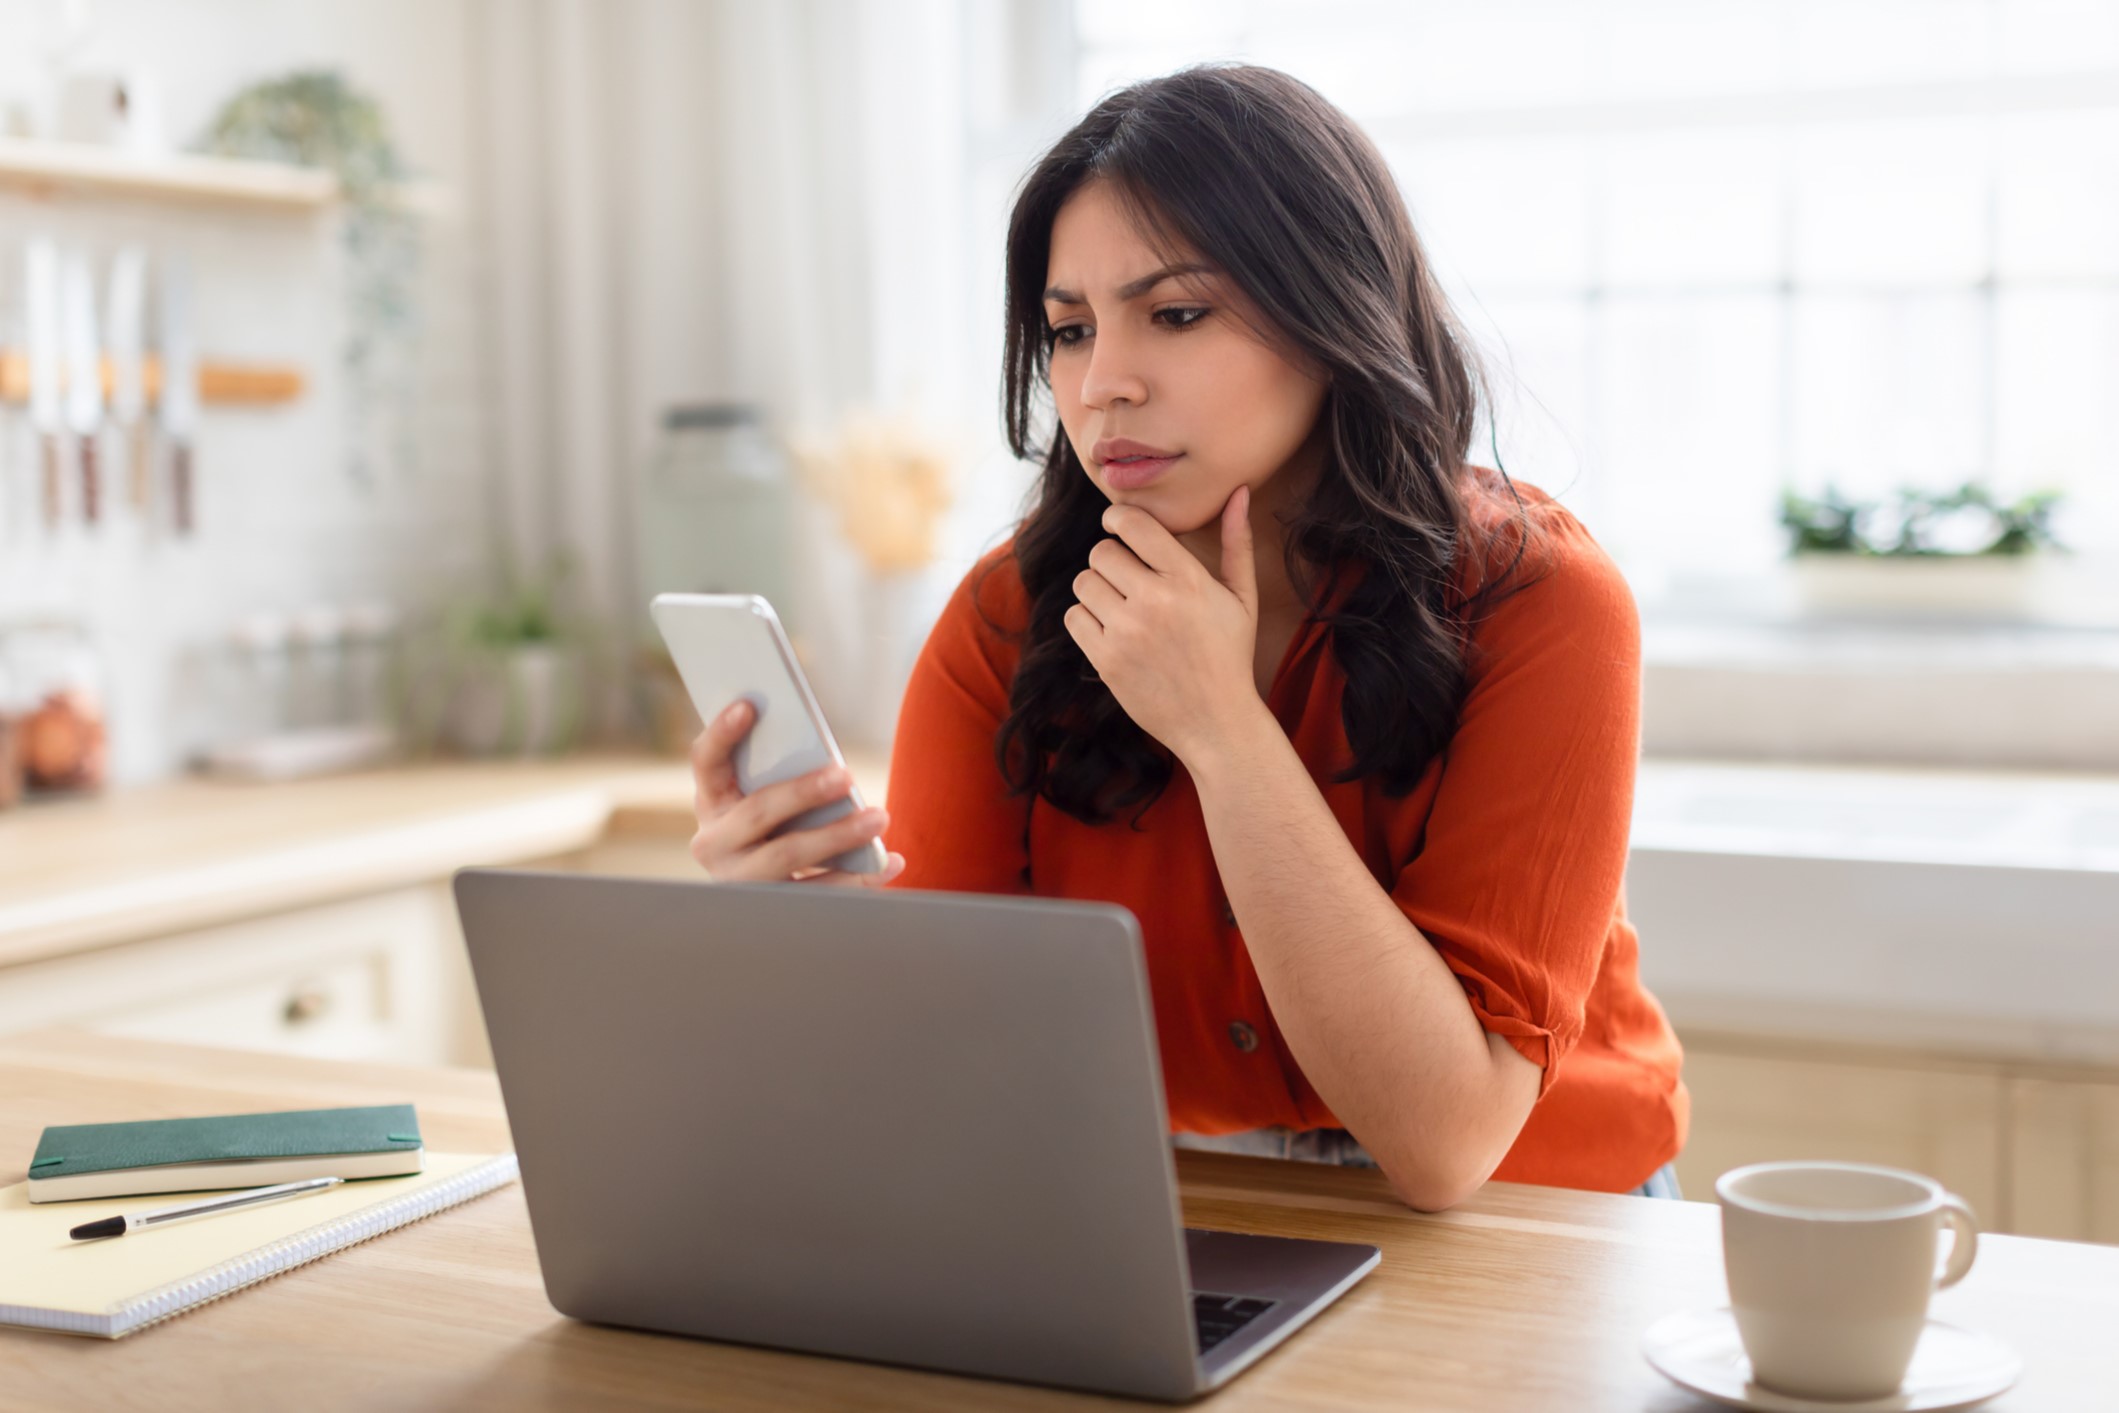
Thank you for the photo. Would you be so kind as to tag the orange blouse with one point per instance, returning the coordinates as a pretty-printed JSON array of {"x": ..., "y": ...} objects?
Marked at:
[{"x": 1509, "y": 856}]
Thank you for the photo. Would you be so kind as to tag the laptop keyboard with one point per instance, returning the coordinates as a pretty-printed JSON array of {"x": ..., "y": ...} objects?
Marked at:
[{"x": 1216, "y": 1317}]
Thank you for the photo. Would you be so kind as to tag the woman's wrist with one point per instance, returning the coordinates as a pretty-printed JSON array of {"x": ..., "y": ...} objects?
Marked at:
[{"x": 1230, "y": 742}]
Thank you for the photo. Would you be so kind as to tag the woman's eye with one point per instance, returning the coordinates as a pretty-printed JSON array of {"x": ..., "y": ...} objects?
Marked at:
[
  {"x": 1065, "y": 337},
  {"x": 1181, "y": 318}
]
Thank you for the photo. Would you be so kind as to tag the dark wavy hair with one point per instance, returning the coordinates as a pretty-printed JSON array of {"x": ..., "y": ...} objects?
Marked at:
[{"x": 1259, "y": 176}]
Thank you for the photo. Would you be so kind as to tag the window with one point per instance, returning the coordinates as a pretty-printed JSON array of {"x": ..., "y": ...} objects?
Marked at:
[{"x": 1709, "y": 251}]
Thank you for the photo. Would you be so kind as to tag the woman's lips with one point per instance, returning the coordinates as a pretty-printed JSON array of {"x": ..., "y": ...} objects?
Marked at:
[{"x": 1133, "y": 472}]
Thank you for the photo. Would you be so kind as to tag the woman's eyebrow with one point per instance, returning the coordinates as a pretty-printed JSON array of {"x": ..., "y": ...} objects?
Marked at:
[{"x": 1136, "y": 288}]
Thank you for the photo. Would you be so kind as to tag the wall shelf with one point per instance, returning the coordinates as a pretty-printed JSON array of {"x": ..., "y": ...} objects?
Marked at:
[
  {"x": 219, "y": 382},
  {"x": 48, "y": 169}
]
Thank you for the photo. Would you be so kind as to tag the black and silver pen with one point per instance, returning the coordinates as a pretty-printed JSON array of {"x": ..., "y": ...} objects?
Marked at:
[{"x": 118, "y": 1226}]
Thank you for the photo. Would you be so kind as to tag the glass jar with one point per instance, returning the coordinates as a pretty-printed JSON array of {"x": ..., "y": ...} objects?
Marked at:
[{"x": 715, "y": 510}]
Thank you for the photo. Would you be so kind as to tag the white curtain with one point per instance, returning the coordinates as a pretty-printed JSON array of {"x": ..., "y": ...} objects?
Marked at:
[{"x": 705, "y": 199}]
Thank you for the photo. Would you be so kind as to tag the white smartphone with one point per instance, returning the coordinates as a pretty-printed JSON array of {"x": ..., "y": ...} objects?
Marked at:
[{"x": 731, "y": 646}]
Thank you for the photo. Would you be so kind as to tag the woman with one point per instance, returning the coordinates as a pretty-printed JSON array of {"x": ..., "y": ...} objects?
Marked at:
[{"x": 1348, "y": 723}]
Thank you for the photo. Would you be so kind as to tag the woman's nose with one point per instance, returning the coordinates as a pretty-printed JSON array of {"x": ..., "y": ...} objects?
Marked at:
[{"x": 1114, "y": 373}]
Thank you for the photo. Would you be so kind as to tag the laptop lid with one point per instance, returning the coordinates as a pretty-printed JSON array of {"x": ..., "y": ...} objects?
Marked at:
[{"x": 922, "y": 1128}]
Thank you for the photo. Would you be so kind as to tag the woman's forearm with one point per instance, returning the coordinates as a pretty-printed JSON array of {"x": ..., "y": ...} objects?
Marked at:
[{"x": 1376, "y": 1019}]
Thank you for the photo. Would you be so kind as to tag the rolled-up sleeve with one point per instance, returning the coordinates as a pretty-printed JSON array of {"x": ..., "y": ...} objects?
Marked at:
[{"x": 1518, "y": 874}]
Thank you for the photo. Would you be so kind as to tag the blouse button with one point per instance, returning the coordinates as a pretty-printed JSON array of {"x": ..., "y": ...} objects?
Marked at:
[{"x": 1242, "y": 1036}]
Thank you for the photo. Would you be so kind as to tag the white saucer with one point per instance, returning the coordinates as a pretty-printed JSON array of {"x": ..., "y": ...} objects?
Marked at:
[{"x": 1952, "y": 1368}]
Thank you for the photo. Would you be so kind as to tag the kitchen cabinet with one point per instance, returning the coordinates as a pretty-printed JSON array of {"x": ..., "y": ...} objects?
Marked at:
[
  {"x": 380, "y": 977},
  {"x": 2034, "y": 1150},
  {"x": 1761, "y": 1107},
  {"x": 307, "y": 918},
  {"x": 310, "y": 917},
  {"x": 2063, "y": 1170}
]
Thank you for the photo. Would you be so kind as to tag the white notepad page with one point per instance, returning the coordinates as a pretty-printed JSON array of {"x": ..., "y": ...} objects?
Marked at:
[{"x": 116, "y": 1285}]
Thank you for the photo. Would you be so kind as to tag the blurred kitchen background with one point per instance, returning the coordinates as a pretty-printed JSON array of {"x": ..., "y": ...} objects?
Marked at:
[{"x": 365, "y": 366}]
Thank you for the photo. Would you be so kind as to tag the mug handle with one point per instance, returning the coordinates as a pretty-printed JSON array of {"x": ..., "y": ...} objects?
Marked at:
[{"x": 1964, "y": 1245}]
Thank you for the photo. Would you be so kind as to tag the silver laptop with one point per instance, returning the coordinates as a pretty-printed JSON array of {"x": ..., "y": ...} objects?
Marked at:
[{"x": 919, "y": 1128}]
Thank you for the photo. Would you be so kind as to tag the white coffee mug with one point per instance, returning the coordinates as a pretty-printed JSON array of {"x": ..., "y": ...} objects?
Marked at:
[{"x": 1830, "y": 1268}]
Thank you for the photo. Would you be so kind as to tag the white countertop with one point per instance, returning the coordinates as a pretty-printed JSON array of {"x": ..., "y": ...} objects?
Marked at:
[
  {"x": 1960, "y": 912},
  {"x": 2003, "y": 819}
]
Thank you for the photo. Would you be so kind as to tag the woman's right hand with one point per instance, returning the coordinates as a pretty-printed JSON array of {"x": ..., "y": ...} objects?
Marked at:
[{"x": 731, "y": 843}]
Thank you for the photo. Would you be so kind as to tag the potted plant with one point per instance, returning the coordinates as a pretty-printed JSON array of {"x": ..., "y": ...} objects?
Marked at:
[
  {"x": 517, "y": 686},
  {"x": 1957, "y": 554}
]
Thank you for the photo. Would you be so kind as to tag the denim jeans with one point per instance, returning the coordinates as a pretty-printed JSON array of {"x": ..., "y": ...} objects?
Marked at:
[{"x": 1336, "y": 1145}]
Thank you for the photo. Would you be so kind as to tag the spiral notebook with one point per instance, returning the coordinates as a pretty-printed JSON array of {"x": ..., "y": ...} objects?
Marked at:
[{"x": 113, "y": 1287}]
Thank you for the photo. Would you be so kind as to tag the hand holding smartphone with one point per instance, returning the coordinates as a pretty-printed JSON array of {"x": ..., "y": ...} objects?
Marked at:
[{"x": 774, "y": 799}]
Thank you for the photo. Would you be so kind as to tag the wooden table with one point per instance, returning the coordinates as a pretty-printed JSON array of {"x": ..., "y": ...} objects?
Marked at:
[{"x": 1524, "y": 1298}]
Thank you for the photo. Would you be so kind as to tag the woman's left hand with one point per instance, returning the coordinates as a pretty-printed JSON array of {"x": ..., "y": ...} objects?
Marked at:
[{"x": 1174, "y": 644}]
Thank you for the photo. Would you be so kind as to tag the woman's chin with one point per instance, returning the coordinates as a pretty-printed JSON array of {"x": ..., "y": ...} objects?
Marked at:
[
  {"x": 1179, "y": 515},
  {"x": 1175, "y": 516}
]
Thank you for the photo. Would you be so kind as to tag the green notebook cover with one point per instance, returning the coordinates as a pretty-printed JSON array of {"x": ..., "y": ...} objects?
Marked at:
[{"x": 67, "y": 1149}]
